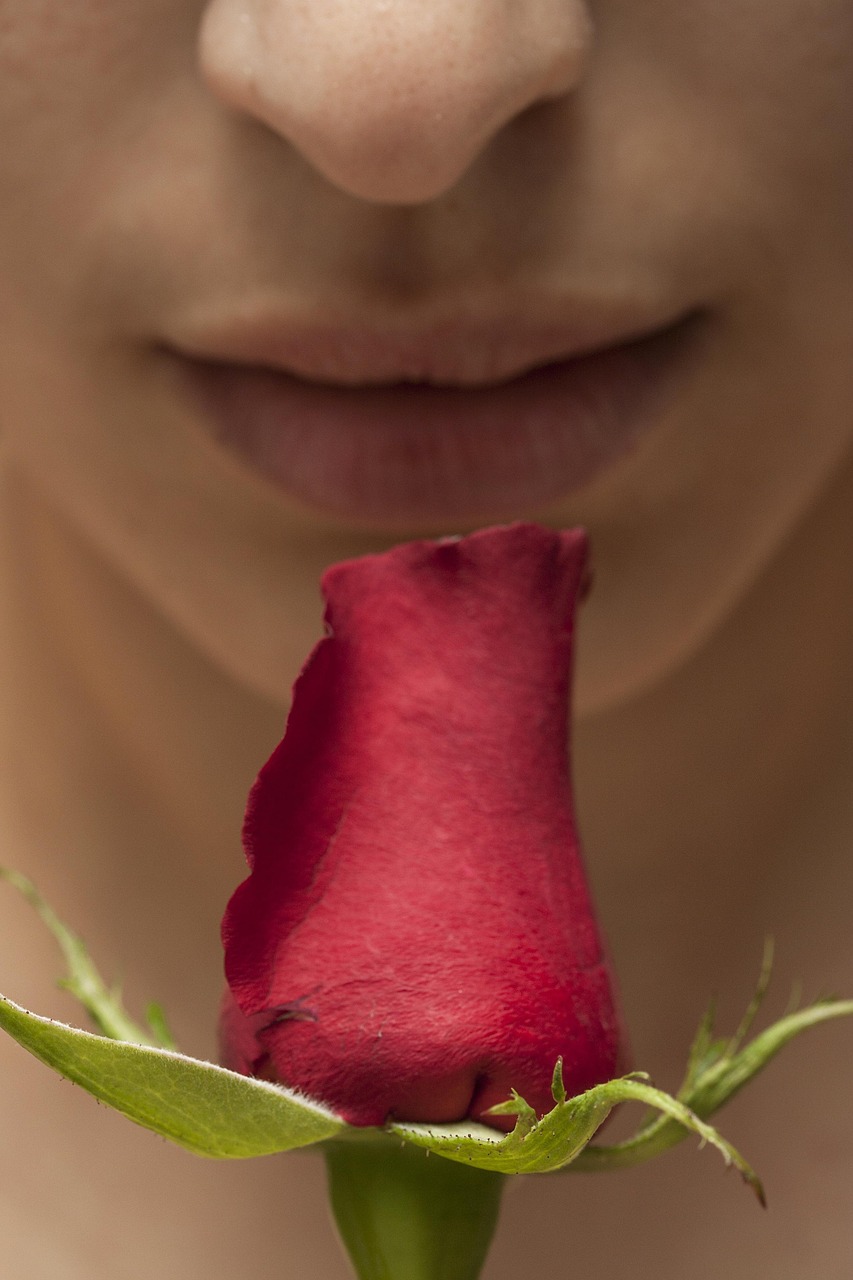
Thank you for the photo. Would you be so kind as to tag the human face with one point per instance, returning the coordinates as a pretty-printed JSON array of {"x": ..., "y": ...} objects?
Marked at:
[{"x": 367, "y": 191}]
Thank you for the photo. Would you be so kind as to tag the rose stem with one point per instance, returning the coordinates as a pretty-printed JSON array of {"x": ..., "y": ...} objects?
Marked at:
[{"x": 406, "y": 1215}]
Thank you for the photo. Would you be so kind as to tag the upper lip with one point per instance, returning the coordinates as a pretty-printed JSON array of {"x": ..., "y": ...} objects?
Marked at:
[{"x": 459, "y": 350}]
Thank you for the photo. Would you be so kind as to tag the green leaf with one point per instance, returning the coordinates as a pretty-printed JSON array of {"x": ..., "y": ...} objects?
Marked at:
[{"x": 208, "y": 1110}]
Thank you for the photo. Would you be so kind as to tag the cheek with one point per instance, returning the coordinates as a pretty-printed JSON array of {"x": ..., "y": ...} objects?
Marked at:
[
  {"x": 104, "y": 440},
  {"x": 682, "y": 536},
  {"x": 97, "y": 436}
]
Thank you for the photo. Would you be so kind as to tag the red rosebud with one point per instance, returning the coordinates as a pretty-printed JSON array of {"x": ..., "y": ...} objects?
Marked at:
[{"x": 416, "y": 936}]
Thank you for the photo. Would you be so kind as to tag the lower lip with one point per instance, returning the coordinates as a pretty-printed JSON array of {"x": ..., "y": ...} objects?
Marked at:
[{"x": 418, "y": 453}]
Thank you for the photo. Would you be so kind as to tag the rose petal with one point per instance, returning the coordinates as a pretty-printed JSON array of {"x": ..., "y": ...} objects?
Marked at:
[{"x": 416, "y": 937}]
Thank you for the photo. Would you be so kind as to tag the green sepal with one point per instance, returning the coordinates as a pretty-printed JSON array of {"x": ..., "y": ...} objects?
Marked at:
[
  {"x": 200, "y": 1106},
  {"x": 723, "y": 1074},
  {"x": 717, "y": 1069},
  {"x": 218, "y": 1113},
  {"x": 558, "y": 1139},
  {"x": 102, "y": 1003}
]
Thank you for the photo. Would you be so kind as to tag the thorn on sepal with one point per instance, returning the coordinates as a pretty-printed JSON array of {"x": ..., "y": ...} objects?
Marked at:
[{"x": 558, "y": 1089}]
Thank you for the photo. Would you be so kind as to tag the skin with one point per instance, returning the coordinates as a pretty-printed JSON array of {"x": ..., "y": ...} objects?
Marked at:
[{"x": 166, "y": 158}]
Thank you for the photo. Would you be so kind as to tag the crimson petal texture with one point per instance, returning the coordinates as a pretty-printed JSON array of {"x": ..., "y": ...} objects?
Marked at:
[{"x": 416, "y": 936}]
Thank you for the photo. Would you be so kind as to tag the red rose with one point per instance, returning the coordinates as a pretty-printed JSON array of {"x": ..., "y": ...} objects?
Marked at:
[{"x": 416, "y": 936}]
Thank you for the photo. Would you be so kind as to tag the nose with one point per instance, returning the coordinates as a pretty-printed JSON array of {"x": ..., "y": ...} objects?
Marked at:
[{"x": 392, "y": 100}]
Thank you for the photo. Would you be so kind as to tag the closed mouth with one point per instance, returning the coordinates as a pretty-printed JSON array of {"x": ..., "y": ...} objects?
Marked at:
[{"x": 395, "y": 431}]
